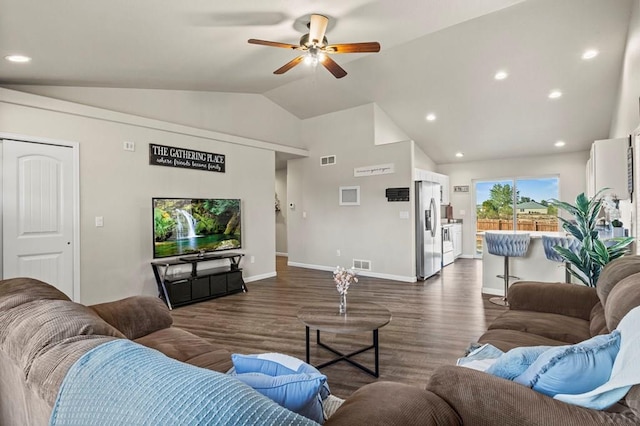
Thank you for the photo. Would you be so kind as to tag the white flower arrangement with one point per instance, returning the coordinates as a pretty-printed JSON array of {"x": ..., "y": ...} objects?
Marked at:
[{"x": 343, "y": 278}]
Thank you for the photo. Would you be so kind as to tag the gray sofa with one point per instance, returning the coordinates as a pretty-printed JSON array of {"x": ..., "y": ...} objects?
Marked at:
[
  {"x": 545, "y": 314},
  {"x": 43, "y": 333}
]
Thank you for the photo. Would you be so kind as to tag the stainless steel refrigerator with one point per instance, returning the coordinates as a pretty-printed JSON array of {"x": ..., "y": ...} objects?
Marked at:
[{"x": 428, "y": 231}]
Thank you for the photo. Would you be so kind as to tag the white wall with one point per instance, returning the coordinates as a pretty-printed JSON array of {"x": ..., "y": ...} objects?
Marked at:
[
  {"x": 119, "y": 185},
  {"x": 372, "y": 231},
  {"x": 422, "y": 160},
  {"x": 626, "y": 116},
  {"x": 570, "y": 167},
  {"x": 281, "y": 216},
  {"x": 240, "y": 114}
]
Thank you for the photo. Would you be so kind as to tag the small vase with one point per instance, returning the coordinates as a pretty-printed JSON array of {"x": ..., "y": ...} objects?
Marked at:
[{"x": 343, "y": 303}]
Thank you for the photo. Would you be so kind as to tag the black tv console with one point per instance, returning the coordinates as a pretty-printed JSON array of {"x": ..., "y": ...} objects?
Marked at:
[{"x": 179, "y": 288}]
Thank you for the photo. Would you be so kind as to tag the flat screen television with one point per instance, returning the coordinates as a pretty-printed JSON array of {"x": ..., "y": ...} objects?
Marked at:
[{"x": 195, "y": 225}]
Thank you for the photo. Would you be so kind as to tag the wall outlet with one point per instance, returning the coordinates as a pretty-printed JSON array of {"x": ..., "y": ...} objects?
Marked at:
[
  {"x": 304, "y": 215},
  {"x": 99, "y": 221},
  {"x": 129, "y": 146},
  {"x": 462, "y": 212},
  {"x": 338, "y": 252},
  {"x": 252, "y": 259}
]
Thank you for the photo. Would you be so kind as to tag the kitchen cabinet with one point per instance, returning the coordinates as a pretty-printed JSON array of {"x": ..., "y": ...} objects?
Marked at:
[
  {"x": 607, "y": 167},
  {"x": 430, "y": 176},
  {"x": 457, "y": 239}
]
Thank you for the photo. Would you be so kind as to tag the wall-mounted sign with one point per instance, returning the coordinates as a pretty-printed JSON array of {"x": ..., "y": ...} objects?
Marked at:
[
  {"x": 380, "y": 169},
  {"x": 461, "y": 188},
  {"x": 160, "y": 155}
]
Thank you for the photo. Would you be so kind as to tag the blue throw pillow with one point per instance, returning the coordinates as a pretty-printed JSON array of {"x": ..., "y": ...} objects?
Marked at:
[
  {"x": 275, "y": 364},
  {"x": 573, "y": 369},
  {"x": 298, "y": 392},
  {"x": 515, "y": 362}
]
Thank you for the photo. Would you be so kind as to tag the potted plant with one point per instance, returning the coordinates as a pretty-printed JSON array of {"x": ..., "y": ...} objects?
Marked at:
[{"x": 594, "y": 253}]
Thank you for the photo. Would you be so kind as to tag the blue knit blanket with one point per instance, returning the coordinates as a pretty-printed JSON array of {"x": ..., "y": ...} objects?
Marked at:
[{"x": 124, "y": 383}]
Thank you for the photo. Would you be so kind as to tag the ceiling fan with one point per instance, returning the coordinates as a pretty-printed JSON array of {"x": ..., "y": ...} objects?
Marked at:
[{"x": 316, "y": 49}]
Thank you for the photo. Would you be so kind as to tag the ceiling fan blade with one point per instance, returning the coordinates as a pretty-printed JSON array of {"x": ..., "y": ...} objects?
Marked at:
[
  {"x": 317, "y": 28},
  {"x": 273, "y": 44},
  {"x": 333, "y": 67},
  {"x": 372, "y": 46},
  {"x": 292, "y": 63}
]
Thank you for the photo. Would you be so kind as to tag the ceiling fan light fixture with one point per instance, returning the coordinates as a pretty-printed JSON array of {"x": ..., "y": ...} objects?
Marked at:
[{"x": 315, "y": 48}]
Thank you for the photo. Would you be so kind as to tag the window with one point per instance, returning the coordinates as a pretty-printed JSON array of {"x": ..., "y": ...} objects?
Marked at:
[{"x": 495, "y": 201}]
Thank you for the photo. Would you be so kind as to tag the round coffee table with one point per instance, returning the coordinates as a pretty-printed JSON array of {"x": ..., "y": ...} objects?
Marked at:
[{"x": 360, "y": 317}]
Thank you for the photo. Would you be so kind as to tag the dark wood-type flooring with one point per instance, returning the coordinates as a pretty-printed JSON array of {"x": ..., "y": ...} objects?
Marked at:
[{"x": 432, "y": 324}]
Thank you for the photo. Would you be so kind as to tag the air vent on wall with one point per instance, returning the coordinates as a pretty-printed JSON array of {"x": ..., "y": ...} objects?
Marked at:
[
  {"x": 363, "y": 265},
  {"x": 328, "y": 160}
]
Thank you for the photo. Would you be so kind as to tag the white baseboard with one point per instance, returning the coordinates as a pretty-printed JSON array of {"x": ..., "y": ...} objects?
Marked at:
[
  {"x": 361, "y": 273},
  {"x": 467, "y": 256},
  {"x": 279, "y": 253},
  {"x": 260, "y": 277},
  {"x": 492, "y": 291}
]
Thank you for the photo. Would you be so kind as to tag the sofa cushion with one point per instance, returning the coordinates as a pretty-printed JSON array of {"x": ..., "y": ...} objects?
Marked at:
[
  {"x": 623, "y": 298},
  {"x": 515, "y": 362},
  {"x": 299, "y": 392},
  {"x": 613, "y": 273},
  {"x": 33, "y": 327},
  {"x": 597, "y": 322},
  {"x": 394, "y": 404},
  {"x": 275, "y": 364},
  {"x": 187, "y": 347},
  {"x": 135, "y": 316},
  {"x": 573, "y": 369},
  {"x": 553, "y": 298},
  {"x": 506, "y": 340},
  {"x": 481, "y": 399},
  {"x": 554, "y": 326},
  {"x": 17, "y": 291}
]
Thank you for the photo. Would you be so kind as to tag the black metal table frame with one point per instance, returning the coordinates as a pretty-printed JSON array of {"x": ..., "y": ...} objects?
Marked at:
[{"x": 347, "y": 357}]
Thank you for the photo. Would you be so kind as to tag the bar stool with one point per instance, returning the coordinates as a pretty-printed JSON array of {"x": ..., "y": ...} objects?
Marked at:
[
  {"x": 567, "y": 242},
  {"x": 507, "y": 245}
]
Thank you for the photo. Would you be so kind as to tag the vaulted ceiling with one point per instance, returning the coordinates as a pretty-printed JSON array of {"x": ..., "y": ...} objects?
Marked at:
[{"x": 438, "y": 56}]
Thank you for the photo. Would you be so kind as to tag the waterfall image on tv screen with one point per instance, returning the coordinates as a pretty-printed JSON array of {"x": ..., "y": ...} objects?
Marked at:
[{"x": 193, "y": 225}]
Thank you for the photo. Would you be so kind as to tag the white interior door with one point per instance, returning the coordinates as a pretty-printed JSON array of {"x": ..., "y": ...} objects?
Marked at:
[{"x": 37, "y": 188}]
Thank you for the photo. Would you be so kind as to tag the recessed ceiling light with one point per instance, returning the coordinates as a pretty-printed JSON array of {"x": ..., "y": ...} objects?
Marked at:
[
  {"x": 459, "y": 154},
  {"x": 559, "y": 144},
  {"x": 431, "y": 117},
  {"x": 501, "y": 75},
  {"x": 590, "y": 54},
  {"x": 17, "y": 58},
  {"x": 555, "y": 94}
]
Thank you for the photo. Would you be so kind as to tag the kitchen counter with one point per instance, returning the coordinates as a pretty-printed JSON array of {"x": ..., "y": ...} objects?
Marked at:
[
  {"x": 533, "y": 267},
  {"x": 533, "y": 234}
]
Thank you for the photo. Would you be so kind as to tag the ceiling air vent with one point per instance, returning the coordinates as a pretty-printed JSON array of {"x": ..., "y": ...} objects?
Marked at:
[
  {"x": 328, "y": 160},
  {"x": 363, "y": 265}
]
